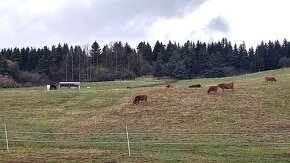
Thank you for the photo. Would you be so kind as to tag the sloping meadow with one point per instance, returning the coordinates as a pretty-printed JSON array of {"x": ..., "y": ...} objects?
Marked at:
[{"x": 176, "y": 124}]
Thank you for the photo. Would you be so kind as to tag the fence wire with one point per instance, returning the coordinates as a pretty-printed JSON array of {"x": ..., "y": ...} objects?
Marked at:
[
  {"x": 122, "y": 136},
  {"x": 148, "y": 133}
]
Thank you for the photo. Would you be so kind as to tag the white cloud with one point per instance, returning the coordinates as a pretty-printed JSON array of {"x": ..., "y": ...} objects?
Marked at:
[
  {"x": 248, "y": 20},
  {"x": 255, "y": 20}
]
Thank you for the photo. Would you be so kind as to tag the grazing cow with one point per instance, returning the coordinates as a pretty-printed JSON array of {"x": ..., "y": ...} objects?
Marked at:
[
  {"x": 270, "y": 78},
  {"x": 140, "y": 98},
  {"x": 212, "y": 89},
  {"x": 195, "y": 86},
  {"x": 224, "y": 86},
  {"x": 169, "y": 86}
]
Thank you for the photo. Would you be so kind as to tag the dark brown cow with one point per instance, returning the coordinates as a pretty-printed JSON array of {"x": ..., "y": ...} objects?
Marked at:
[
  {"x": 270, "y": 78},
  {"x": 53, "y": 87},
  {"x": 169, "y": 86},
  {"x": 224, "y": 86},
  {"x": 140, "y": 98},
  {"x": 195, "y": 86},
  {"x": 212, "y": 89}
]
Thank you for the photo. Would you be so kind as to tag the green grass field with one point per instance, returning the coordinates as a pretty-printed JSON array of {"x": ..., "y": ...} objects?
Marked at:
[{"x": 250, "y": 125}]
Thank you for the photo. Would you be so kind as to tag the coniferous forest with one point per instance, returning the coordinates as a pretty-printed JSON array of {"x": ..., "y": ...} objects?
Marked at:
[{"x": 117, "y": 60}]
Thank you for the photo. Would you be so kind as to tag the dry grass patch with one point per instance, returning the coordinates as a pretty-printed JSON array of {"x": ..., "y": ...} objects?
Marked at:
[{"x": 182, "y": 109}]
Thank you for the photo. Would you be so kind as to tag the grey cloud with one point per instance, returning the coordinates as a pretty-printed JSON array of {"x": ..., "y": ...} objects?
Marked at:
[
  {"x": 77, "y": 21},
  {"x": 116, "y": 18},
  {"x": 219, "y": 24}
]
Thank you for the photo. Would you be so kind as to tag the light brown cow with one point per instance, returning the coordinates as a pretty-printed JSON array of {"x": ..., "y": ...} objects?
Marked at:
[
  {"x": 270, "y": 78},
  {"x": 140, "y": 98},
  {"x": 224, "y": 86}
]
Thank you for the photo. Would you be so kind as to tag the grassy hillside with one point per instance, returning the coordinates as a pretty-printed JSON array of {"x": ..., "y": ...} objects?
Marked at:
[{"x": 226, "y": 127}]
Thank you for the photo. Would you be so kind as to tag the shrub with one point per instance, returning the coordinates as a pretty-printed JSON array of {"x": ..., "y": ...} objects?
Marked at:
[
  {"x": 7, "y": 82},
  {"x": 27, "y": 77},
  {"x": 125, "y": 75},
  {"x": 106, "y": 77},
  {"x": 100, "y": 72},
  {"x": 214, "y": 73},
  {"x": 230, "y": 71},
  {"x": 284, "y": 62},
  {"x": 121, "y": 75}
]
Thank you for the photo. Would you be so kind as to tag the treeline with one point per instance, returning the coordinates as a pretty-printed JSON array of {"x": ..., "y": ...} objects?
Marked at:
[{"x": 37, "y": 66}]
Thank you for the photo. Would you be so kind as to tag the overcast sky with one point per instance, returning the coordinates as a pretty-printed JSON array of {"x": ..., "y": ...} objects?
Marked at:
[{"x": 36, "y": 23}]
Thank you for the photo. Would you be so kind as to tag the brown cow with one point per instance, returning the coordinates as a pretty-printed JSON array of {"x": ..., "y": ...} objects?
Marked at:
[
  {"x": 224, "y": 86},
  {"x": 195, "y": 86},
  {"x": 140, "y": 98},
  {"x": 270, "y": 78},
  {"x": 169, "y": 86},
  {"x": 212, "y": 89}
]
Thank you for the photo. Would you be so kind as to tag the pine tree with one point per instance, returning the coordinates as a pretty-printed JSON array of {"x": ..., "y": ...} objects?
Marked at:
[
  {"x": 35, "y": 56},
  {"x": 105, "y": 55},
  {"x": 235, "y": 59},
  {"x": 244, "y": 60},
  {"x": 170, "y": 48},
  {"x": 140, "y": 64},
  {"x": 146, "y": 51},
  {"x": 169, "y": 67},
  {"x": 71, "y": 54},
  {"x": 261, "y": 51},
  {"x": 158, "y": 65},
  {"x": 216, "y": 65},
  {"x": 257, "y": 64},
  {"x": 2, "y": 64},
  {"x": 117, "y": 51},
  {"x": 217, "y": 60},
  {"x": 24, "y": 58},
  {"x": 45, "y": 61},
  {"x": 180, "y": 70},
  {"x": 58, "y": 56},
  {"x": 286, "y": 48},
  {"x": 190, "y": 58},
  {"x": 78, "y": 53},
  {"x": 65, "y": 58},
  {"x": 275, "y": 53},
  {"x": 16, "y": 55},
  {"x": 95, "y": 53},
  {"x": 158, "y": 51},
  {"x": 54, "y": 71},
  {"x": 251, "y": 53},
  {"x": 228, "y": 54},
  {"x": 203, "y": 60}
]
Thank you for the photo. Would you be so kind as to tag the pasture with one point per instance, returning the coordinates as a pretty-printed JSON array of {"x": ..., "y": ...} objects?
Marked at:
[{"x": 179, "y": 124}]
